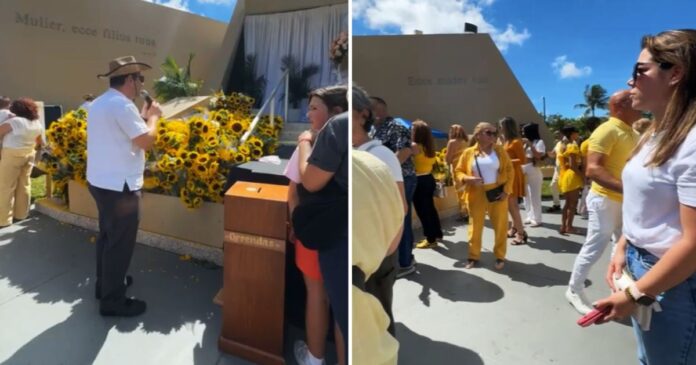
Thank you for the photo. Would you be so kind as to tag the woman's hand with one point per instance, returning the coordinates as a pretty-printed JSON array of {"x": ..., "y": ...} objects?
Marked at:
[
  {"x": 503, "y": 196},
  {"x": 472, "y": 180},
  {"x": 621, "y": 306},
  {"x": 616, "y": 266},
  {"x": 308, "y": 135}
]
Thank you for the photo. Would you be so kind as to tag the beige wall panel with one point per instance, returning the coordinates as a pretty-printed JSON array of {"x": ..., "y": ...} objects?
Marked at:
[
  {"x": 442, "y": 79},
  {"x": 53, "y": 50}
]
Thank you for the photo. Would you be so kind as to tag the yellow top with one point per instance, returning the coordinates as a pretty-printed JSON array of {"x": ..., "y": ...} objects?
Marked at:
[
  {"x": 571, "y": 149},
  {"x": 378, "y": 215},
  {"x": 583, "y": 147},
  {"x": 423, "y": 163},
  {"x": 616, "y": 140}
]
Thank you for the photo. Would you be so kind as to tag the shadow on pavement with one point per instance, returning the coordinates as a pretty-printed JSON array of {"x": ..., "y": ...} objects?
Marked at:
[
  {"x": 417, "y": 349},
  {"x": 554, "y": 244},
  {"x": 454, "y": 285},
  {"x": 55, "y": 264},
  {"x": 538, "y": 274}
]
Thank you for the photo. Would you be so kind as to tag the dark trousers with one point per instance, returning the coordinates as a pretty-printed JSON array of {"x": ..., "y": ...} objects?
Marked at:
[
  {"x": 381, "y": 285},
  {"x": 406, "y": 243},
  {"x": 425, "y": 207},
  {"x": 333, "y": 263},
  {"x": 119, "y": 217}
]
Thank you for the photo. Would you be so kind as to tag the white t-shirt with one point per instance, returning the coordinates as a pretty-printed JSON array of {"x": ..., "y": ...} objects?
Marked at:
[
  {"x": 489, "y": 166},
  {"x": 23, "y": 134},
  {"x": 539, "y": 145},
  {"x": 292, "y": 169},
  {"x": 4, "y": 115},
  {"x": 112, "y": 158},
  {"x": 652, "y": 196},
  {"x": 386, "y": 155}
]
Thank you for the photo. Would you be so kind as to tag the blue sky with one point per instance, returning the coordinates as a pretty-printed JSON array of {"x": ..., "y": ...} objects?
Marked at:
[
  {"x": 220, "y": 10},
  {"x": 554, "y": 47}
]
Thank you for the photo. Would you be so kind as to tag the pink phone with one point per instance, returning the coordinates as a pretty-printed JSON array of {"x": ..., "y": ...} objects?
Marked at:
[{"x": 594, "y": 316}]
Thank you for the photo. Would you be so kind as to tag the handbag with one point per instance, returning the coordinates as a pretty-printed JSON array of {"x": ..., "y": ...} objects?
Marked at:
[
  {"x": 492, "y": 195},
  {"x": 440, "y": 191},
  {"x": 321, "y": 219}
]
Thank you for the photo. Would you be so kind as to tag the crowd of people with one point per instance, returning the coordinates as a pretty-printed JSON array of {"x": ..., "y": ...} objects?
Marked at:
[{"x": 633, "y": 178}]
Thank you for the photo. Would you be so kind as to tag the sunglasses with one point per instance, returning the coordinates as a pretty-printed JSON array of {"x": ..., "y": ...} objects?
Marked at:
[
  {"x": 139, "y": 77},
  {"x": 491, "y": 133},
  {"x": 637, "y": 71}
]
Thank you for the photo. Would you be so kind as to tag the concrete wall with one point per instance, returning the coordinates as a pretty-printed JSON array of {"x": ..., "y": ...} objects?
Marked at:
[
  {"x": 442, "y": 79},
  {"x": 53, "y": 50}
]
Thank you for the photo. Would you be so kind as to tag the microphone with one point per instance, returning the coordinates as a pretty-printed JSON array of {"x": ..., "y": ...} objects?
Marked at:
[{"x": 146, "y": 95}]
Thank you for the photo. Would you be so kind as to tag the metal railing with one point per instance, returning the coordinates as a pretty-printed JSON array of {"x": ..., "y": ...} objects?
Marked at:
[{"x": 284, "y": 80}]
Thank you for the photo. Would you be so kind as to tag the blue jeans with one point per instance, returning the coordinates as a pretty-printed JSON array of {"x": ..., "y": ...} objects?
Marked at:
[
  {"x": 406, "y": 243},
  {"x": 672, "y": 335},
  {"x": 333, "y": 263}
]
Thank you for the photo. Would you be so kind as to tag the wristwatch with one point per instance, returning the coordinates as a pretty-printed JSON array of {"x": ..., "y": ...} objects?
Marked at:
[{"x": 636, "y": 296}]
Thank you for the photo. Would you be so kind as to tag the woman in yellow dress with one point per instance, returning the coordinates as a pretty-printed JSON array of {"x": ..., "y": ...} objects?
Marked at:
[
  {"x": 570, "y": 180},
  {"x": 515, "y": 150},
  {"x": 458, "y": 142}
]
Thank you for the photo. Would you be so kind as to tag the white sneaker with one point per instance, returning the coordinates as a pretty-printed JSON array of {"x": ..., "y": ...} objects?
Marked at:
[
  {"x": 303, "y": 356},
  {"x": 408, "y": 270},
  {"x": 579, "y": 301}
]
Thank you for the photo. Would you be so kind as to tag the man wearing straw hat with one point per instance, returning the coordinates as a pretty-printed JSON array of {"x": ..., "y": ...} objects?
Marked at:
[{"x": 117, "y": 137}]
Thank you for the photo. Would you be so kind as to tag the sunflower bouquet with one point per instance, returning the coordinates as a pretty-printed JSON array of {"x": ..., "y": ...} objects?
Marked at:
[
  {"x": 441, "y": 171},
  {"x": 192, "y": 156},
  {"x": 66, "y": 157}
]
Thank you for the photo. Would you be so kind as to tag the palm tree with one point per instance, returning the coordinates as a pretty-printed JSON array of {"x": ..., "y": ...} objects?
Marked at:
[
  {"x": 298, "y": 83},
  {"x": 176, "y": 81},
  {"x": 595, "y": 98},
  {"x": 253, "y": 85}
]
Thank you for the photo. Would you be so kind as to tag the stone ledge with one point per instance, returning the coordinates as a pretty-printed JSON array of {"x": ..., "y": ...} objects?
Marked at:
[{"x": 59, "y": 212}]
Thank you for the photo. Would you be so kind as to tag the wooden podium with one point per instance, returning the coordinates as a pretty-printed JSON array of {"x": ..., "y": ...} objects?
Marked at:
[{"x": 256, "y": 218}]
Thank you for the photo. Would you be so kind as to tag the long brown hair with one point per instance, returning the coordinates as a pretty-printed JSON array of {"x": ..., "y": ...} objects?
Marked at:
[
  {"x": 457, "y": 132},
  {"x": 677, "y": 47},
  {"x": 509, "y": 128},
  {"x": 423, "y": 136}
]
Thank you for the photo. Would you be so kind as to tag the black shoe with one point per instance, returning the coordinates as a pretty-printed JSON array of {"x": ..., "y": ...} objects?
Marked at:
[
  {"x": 553, "y": 209},
  {"x": 97, "y": 286},
  {"x": 124, "y": 307}
]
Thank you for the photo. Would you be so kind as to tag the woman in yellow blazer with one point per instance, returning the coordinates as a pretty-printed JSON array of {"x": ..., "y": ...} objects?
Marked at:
[{"x": 482, "y": 167}]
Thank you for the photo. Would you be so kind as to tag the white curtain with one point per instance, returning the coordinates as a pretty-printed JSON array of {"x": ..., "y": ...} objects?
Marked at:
[{"x": 306, "y": 35}]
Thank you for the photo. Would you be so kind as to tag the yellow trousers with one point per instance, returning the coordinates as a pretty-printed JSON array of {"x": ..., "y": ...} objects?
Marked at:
[
  {"x": 15, "y": 183},
  {"x": 497, "y": 212}
]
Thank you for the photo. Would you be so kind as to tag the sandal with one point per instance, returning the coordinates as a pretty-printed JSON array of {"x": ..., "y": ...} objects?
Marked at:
[
  {"x": 499, "y": 264},
  {"x": 471, "y": 264},
  {"x": 520, "y": 240},
  {"x": 512, "y": 232}
]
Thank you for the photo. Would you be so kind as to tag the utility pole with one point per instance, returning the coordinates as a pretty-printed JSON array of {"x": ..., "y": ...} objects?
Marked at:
[{"x": 543, "y": 101}]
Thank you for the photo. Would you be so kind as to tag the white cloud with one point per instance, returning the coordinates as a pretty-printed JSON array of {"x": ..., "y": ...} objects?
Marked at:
[
  {"x": 174, "y": 4},
  {"x": 442, "y": 16},
  {"x": 568, "y": 70}
]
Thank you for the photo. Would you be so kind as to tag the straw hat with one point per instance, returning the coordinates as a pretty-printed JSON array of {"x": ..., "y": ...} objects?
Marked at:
[{"x": 123, "y": 66}]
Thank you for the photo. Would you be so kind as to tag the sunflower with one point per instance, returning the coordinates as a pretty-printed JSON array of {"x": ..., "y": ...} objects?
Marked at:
[
  {"x": 203, "y": 159},
  {"x": 244, "y": 150},
  {"x": 237, "y": 127}
]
